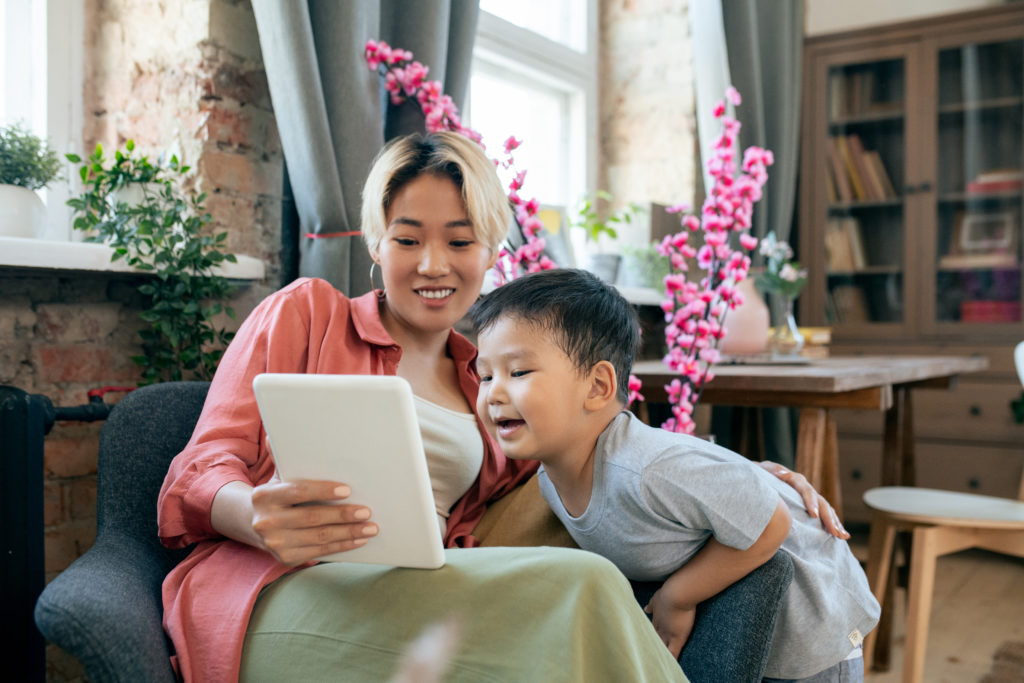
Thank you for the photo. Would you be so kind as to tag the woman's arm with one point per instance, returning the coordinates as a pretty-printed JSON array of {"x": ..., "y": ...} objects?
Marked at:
[{"x": 716, "y": 567}]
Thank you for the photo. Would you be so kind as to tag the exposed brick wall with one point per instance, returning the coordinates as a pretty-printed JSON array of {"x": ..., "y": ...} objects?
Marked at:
[
  {"x": 647, "y": 115},
  {"x": 182, "y": 77}
]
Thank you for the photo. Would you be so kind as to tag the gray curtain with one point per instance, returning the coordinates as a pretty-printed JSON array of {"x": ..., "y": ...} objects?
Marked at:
[
  {"x": 763, "y": 48},
  {"x": 333, "y": 115},
  {"x": 764, "y": 41}
]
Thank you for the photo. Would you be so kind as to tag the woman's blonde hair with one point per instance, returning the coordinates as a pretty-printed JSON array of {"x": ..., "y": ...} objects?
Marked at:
[{"x": 444, "y": 154}]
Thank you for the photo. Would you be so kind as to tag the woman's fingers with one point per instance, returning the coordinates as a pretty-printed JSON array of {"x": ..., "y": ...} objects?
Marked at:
[
  {"x": 302, "y": 520},
  {"x": 299, "y": 491},
  {"x": 814, "y": 502}
]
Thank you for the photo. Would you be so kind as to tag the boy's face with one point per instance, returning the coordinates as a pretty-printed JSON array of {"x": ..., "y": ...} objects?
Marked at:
[{"x": 531, "y": 395}]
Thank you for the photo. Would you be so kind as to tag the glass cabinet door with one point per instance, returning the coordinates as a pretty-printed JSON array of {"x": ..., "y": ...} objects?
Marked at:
[
  {"x": 864, "y": 230},
  {"x": 979, "y": 173}
]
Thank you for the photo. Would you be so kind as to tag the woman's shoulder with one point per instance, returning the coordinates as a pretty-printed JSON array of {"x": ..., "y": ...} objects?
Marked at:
[{"x": 308, "y": 292}]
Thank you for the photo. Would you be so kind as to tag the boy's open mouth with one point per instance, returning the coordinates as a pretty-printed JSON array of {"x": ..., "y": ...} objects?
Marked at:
[{"x": 506, "y": 427}]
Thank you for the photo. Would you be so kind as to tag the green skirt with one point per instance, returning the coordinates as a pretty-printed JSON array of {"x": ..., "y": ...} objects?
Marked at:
[{"x": 520, "y": 614}]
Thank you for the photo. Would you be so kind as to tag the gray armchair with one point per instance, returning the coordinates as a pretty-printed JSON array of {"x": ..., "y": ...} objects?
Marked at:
[{"x": 105, "y": 609}]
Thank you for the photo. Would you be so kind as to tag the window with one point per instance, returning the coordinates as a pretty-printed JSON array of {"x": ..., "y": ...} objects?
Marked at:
[
  {"x": 41, "y": 85},
  {"x": 534, "y": 76}
]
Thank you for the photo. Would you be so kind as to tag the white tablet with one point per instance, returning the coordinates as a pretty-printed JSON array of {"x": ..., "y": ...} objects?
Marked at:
[{"x": 360, "y": 430}]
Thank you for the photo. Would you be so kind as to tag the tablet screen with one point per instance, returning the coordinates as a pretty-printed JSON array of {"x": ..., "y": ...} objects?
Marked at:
[{"x": 360, "y": 430}]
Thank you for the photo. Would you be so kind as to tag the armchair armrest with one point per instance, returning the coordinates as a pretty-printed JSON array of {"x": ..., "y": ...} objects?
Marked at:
[{"x": 105, "y": 609}]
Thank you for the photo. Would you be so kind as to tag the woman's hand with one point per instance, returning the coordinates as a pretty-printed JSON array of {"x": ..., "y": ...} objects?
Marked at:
[
  {"x": 815, "y": 503},
  {"x": 673, "y": 622},
  {"x": 296, "y": 521}
]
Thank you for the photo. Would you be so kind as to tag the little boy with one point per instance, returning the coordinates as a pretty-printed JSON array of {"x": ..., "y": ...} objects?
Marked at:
[{"x": 556, "y": 349}]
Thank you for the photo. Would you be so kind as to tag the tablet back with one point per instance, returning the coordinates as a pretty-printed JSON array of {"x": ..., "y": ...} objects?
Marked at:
[{"x": 360, "y": 430}]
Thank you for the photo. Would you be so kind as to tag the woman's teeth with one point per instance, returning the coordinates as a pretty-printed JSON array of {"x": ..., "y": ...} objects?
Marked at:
[{"x": 435, "y": 293}]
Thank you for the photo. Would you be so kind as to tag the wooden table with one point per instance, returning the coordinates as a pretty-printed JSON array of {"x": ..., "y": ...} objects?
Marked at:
[{"x": 858, "y": 382}]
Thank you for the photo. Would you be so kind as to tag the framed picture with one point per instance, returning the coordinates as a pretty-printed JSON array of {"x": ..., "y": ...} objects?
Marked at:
[{"x": 988, "y": 232}]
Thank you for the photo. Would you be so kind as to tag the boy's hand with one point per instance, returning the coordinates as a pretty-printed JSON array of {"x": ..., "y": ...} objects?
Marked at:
[
  {"x": 674, "y": 623},
  {"x": 815, "y": 503}
]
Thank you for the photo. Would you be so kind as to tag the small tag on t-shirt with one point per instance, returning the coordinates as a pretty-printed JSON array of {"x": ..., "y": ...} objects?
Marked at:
[{"x": 855, "y": 637}]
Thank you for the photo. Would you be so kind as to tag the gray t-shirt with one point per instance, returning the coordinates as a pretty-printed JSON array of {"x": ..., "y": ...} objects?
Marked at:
[{"x": 658, "y": 497}]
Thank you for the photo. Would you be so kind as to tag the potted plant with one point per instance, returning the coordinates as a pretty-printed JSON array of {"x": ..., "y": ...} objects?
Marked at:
[
  {"x": 140, "y": 209},
  {"x": 644, "y": 266},
  {"x": 27, "y": 163},
  {"x": 596, "y": 220}
]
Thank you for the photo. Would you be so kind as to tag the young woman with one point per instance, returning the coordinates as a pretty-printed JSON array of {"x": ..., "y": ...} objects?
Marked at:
[{"x": 250, "y": 603}]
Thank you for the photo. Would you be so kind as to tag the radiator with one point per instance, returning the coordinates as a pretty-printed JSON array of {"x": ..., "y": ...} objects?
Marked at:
[{"x": 25, "y": 419}]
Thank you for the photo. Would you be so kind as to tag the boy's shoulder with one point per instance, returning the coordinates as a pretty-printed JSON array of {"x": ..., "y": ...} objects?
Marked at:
[{"x": 630, "y": 443}]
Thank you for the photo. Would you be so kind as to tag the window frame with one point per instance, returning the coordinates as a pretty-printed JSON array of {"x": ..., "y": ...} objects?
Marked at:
[
  {"x": 509, "y": 46},
  {"x": 54, "y": 111}
]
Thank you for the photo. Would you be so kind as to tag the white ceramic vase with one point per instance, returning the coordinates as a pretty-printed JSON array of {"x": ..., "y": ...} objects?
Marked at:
[
  {"x": 746, "y": 326},
  {"x": 22, "y": 213}
]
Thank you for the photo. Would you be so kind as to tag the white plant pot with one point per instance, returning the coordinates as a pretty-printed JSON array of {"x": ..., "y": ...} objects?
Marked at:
[{"x": 22, "y": 213}]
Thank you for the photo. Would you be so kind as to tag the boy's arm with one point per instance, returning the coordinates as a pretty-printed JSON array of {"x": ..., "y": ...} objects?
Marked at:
[{"x": 711, "y": 570}]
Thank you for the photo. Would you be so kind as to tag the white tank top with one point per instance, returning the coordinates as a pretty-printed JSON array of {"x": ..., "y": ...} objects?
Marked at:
[{"x": 455, "y": 453}]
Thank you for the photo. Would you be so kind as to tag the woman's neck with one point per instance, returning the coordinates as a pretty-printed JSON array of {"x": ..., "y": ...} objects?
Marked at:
[{"x": 421, "y": 344}]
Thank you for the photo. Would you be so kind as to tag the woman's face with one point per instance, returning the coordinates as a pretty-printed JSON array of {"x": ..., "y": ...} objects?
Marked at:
[{"x": 432, "y": 262}]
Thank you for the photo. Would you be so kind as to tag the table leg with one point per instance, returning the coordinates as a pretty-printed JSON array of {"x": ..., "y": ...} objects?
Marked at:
[
  {"x": 830, "y": 479},
  {"x": 810, "y": 445},
  {"x": 897, "y": 470}
]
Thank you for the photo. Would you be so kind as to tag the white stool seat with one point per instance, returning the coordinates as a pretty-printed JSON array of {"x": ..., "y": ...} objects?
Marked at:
[{"x": 948, "y": 508}]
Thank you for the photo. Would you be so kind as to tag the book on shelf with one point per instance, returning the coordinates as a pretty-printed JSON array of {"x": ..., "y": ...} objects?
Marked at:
[
  {"x": 995, "y": 259},
  {"x": 844, "y": 244},
  {"x": 837, "y": 249},
  {"x": 998, "y": 175},
  {"x": 836, "y": 96},
  {"x": 851, "y": 169},
  {"x": 991, "y": 186},
  {"x": 878, "y": 167},
  {"x": 985, "y": 311},
  {"x": 852, "y": 231},
  {"x": 872, "y": 186},
  {"x": 831, "y": 193},
  {"x": 851, "y": 306},
  {"x": 839, "y": 171}
]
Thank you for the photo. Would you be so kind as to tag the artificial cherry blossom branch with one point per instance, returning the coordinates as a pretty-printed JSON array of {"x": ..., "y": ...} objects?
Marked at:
[{"x": 695, "y": 311}]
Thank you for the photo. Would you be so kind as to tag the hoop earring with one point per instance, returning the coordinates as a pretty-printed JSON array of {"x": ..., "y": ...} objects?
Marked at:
[{"x": 372, "y": 285}]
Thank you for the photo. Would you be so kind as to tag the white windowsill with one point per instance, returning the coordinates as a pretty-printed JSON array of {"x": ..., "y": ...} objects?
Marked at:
[
  {"x": 19, "y": 252},
  {"x": 641, "y": 296}
]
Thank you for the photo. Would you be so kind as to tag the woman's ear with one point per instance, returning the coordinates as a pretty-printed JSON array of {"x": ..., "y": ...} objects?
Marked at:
[
  {"x": 603, "y": 386},
  {"x": 493, "y": 259}
]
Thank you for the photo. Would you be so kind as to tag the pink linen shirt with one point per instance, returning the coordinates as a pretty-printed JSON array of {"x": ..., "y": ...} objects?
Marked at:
[{"x": 307, "y": 326}]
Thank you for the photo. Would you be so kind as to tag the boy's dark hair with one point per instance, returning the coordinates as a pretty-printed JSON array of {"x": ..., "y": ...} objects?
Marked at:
[{"x": 588, "y": 319}]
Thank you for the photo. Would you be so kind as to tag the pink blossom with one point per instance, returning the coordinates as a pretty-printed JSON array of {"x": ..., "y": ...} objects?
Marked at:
[
  {"x": 733, "y": 95},
  {"x": 634, "y": 389},
  {"x": 749, "y": 242}
]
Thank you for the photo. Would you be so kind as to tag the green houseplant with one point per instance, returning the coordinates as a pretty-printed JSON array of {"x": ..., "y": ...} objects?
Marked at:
[
  {"x": 596, "y": 219},
  {"x": 139, "y": 208},
  {"x": 27, "y": 163}
]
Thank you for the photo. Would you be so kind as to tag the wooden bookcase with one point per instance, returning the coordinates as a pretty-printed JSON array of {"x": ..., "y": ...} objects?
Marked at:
[{"x": 911, "y": 208}]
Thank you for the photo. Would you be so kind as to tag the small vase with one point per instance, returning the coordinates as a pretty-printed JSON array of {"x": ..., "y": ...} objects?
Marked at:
[
  {"x": 786, "y": 339},
  {"x": 745, "y": 329}
]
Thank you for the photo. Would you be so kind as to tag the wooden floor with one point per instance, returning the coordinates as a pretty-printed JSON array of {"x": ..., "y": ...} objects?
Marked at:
[{"x": 978, "y": 605}]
